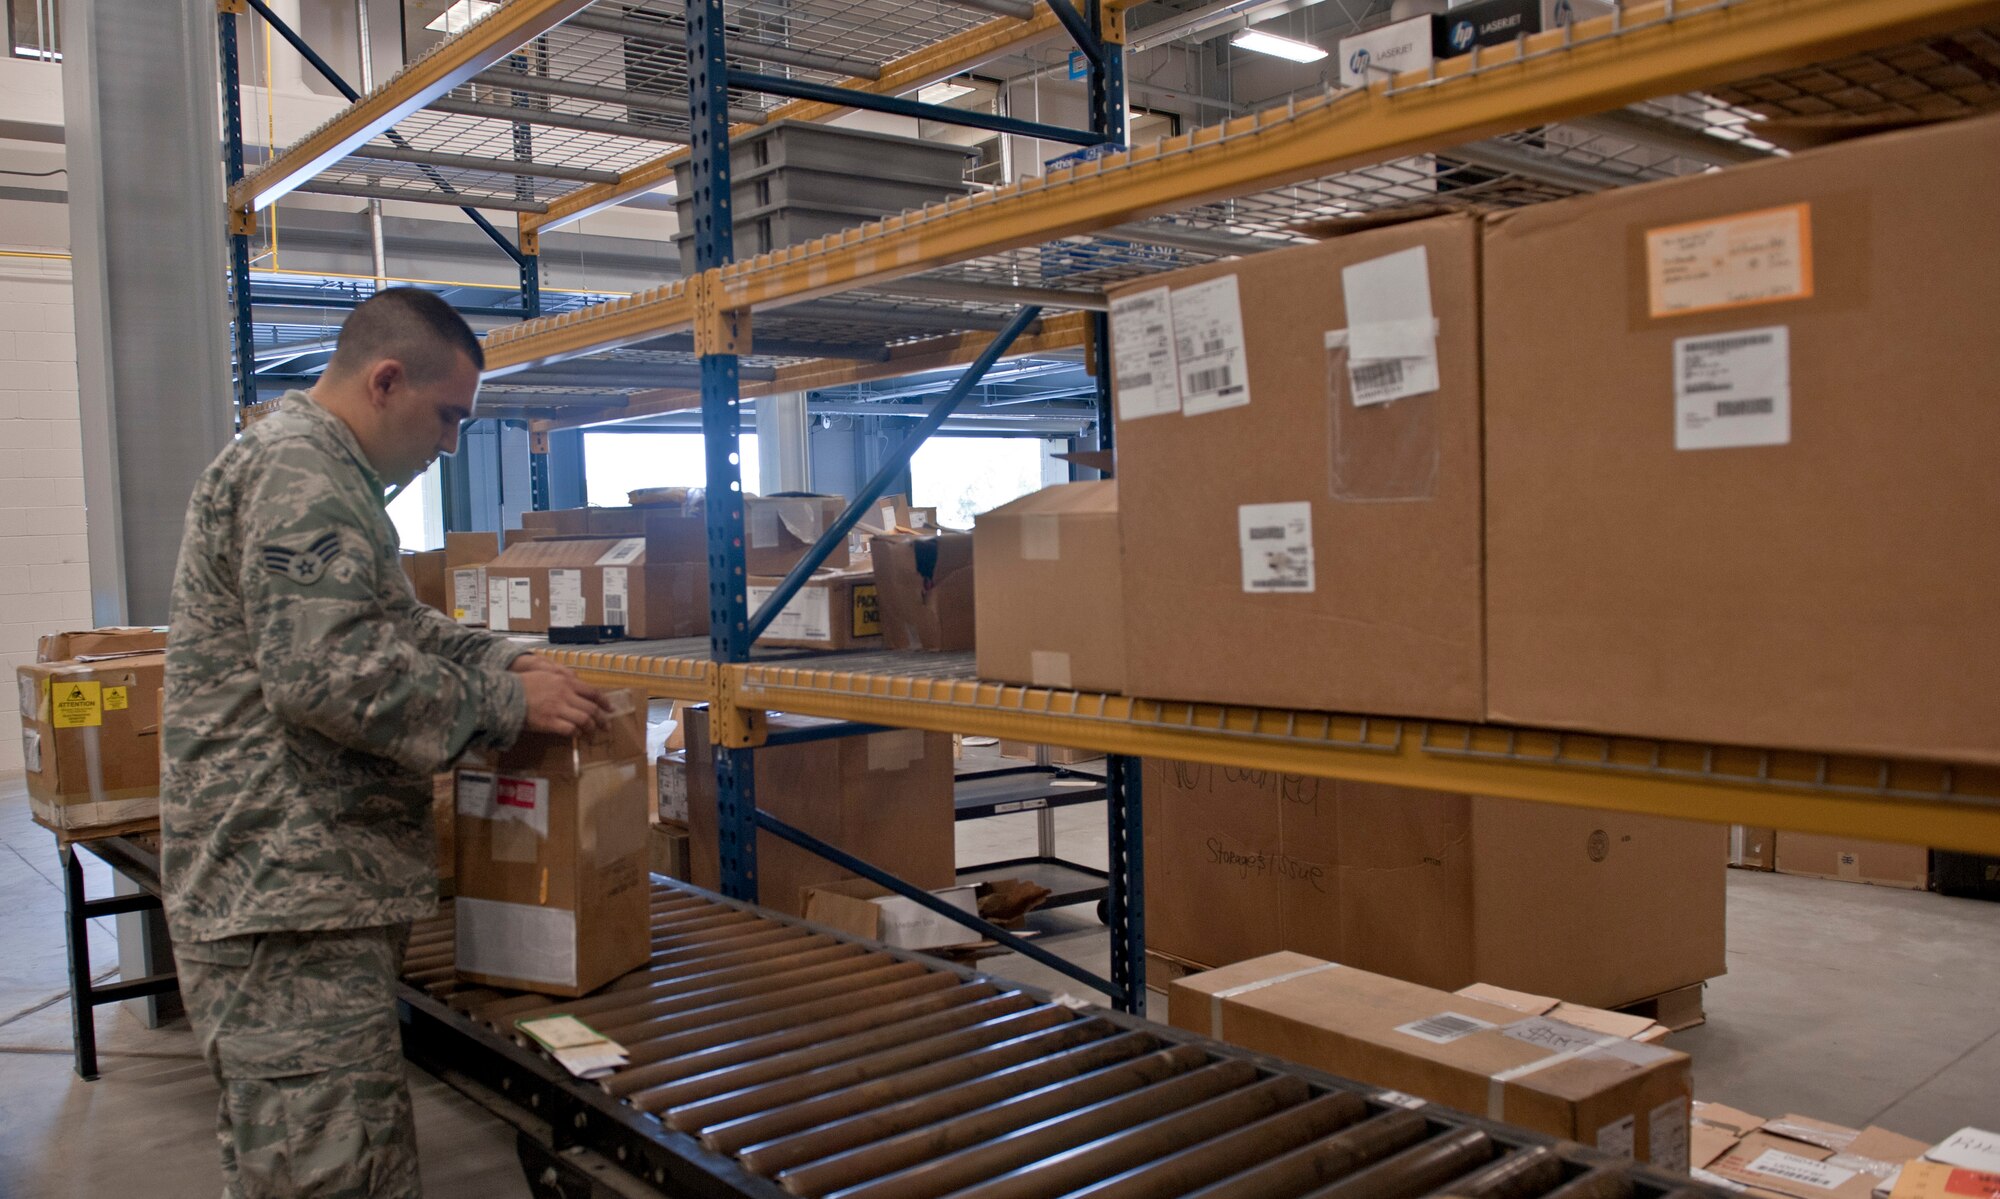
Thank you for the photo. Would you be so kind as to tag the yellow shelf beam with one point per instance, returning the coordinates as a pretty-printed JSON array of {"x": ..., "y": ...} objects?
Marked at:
[
  {"x": 541, "y": 342},
  {"x": 1063, "y": 332},
  {"x": 450, "y": 63}
]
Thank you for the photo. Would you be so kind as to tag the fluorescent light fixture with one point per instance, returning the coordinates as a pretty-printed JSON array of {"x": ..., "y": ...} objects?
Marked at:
[
  {"x": 939, "y": 93},
  {"x": 1277, "y": 47},
  {"x": 461, "y": 14}
]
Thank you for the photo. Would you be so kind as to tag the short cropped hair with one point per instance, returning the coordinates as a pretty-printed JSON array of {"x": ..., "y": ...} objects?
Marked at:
[{"x": 415, "y": 327}]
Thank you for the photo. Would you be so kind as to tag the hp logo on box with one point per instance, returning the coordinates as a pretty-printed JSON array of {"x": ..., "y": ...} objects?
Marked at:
[
  {"x": 1461, "y": 36},
  {"x": 1357, "y": 63}
]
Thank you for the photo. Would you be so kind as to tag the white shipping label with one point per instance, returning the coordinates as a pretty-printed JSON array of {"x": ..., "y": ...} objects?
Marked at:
[
  {"x": 1667, "y": 1135},
  {"x": 29, "y": 708},
  {"x": 1208, "y": 347},
  {"x": 617, "y": 587},
  {"x": 1776, "y": 1163},
  {"x": 1969, "y": 1149},
  {"x": 515, "y": 941},
  {"x": 1399, "y": 1099},
  {"x": 496, "y": 605},
  {"x": 1616, "y": 1137},
  {"x": 31, "y": 750},
  {"x": 1733, "y": 389},
  {"x": 806, "y": 618},
  {"x": 520, "y": 599},
  {"x": 1391, "y": 329},
  {"x": 1555, "y": 1036},
  {"x": 468, "y": 594},
  {"x": 625, "y": 553},
  {"x": 1142, "y": 354},
  {"x": 501, "y": 797},
  {"x": 1277, "y": 543},
  {"x": 565, "y": 599},
  {"x": 1443, "y": 1028}
]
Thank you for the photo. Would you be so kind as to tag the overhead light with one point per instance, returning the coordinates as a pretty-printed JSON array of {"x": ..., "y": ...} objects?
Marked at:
[
  {"x": 939, "y": 93},
  {"x": 461, "y": 14},
  {"x": 1277, "y": 47}
]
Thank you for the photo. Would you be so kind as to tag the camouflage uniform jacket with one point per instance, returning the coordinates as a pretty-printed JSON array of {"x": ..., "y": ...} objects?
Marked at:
[{"x": 309, "y": 697}]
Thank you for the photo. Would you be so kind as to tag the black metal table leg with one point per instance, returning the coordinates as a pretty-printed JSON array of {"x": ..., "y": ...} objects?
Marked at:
[
  {"x": 76, "y": 925},
  {"x": 85, "y": 997}
]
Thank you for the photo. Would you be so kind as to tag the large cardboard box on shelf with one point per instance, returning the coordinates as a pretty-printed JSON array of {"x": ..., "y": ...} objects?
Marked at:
[
  {"x": 1624, "y": 1097},
  {"x": 95, "y": 643},
  {"x": 1299, "y": 476},
  {"x": 563, "y": 582},
  {"x": 1600, "y": 908},
  {"x": 836, "y": 609},
  {"x": 1049, "y": 612},
  {"x": 465, "y": 559},
  {"x": 1708, "y": 517},
  {"x": 90, "y": 740},
  {"x": 552, "y": 857},
  {"x": 428, "y": 577},
  {"x": 779, "y": 529},
  {"x": 885, "y": 798},
  {"x": 1753, "y": 848},
  {"x": 925, "y": 585},
  {"x": 1850, "y": 859}
]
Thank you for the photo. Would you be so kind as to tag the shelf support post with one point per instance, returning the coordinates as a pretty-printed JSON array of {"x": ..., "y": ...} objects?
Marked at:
[{"x": 239, "y": 228}]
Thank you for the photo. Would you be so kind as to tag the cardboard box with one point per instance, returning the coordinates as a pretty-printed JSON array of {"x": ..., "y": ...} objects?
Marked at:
[
  {"x": 564, "y": 582},
  {"x": 426, "y": 572},
  {"x": 1288, "y": 541},
  {"x": 552, "y": 856},
  {"x": 887, "y": 516},
  {"x": 860, "y": 907},
  {"x": 1058, "y": 755},
  {"x": 884, "y": 798},
  {"x": 667, "y": 844},
  {"x": 1850, "y": 859},
  {"x": 836, "y": 609},
  {"x": 1598, "y": 908},
  {"x": 1753, "y": 848},
  {"x": 1623, "y": 1097},
  {"x": 465, "y": 559},
  {"x": 97, "y": 643},
  {"x": 1802, "y": 1158},
  {"x": 1642, "y": 1029},
  {"x": 926, "y": 590},
  {"x": 779, "y": 529},
  {"x": 1777, "y": 558},
  {"x": 1049, "y": 612},
  {"x": 90, "y": 741}
]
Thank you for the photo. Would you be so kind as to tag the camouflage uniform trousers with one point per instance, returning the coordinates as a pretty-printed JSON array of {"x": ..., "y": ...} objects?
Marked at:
[{"x": 301, "y": 1032}]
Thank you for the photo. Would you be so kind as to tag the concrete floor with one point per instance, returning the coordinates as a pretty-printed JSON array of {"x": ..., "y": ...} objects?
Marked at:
[{"x": 1851, "y": 1003}]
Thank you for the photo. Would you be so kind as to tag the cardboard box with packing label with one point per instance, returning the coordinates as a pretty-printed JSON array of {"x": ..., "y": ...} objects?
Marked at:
[
  {"x": 429, "y": 579},
  {"x": 1048, "y": 610},
  {"x": 641, "y": 583},
  {"x": 465, "y": 559},
  {"x": 100, "y": 643},
  {"x": 90, "y": 740},
  {"x": 779, "y": 529},
  {"x": 886, "y": 798},
  {"x": 1853, "y": 860},
  {"x": 1707, "y": 518},
  {"x": 1419, "y": 42},
  {"x": 1441, "y": 889},
  {"x": 835, "y": 609},
  {"x": 1299, "y": 476},
  {"x": 1753, "y": 848},
  {"x": 860, "y": 907},
  {"x": 925, "y": 585},
  {"x": 552, "y": 857},
  {"x": 1793, "y": 1156},
  {"x": 1624, "y": 1097}
]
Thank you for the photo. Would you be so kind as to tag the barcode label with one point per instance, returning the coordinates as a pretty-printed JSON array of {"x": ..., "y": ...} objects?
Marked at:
[
  {"x": 1733, "y": 390},
  {"x": 1760, "y": 407},
  {"x": 1266, "y": 533},
  {"x": 617, "y": 585},
  {"x": 1146, "y": 381},
  {"x": 1213, "y": 379},
  {"x": 1277, "y": 545},
  {"x": 1376, "y": 376},
  {"x": 1443, "y": 1028},
  {"x": 1214, "y": 345}
]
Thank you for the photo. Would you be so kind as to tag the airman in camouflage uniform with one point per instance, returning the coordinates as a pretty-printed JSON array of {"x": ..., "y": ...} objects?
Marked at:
[{"x": 309, "y": 698}]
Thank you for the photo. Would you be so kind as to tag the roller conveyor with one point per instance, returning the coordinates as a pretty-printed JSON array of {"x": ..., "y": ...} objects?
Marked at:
[{"x": 771, "y": 1058}]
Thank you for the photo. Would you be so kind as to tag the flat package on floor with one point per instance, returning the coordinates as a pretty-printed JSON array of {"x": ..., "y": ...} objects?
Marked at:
[
  {"x": 1740, "y": 487},
  {"x": 1601, "y": 908},
  {"x": 643, "y": 573},
  {"x": 552, "y": 857},
  {"x": 1797, "y": 1157},
  {"x": 1625, "y": 1097},
  {"x": 886, "y": 798},
  {"x": 90, "y": 739},
  {"x": 1298, "y": 474}
]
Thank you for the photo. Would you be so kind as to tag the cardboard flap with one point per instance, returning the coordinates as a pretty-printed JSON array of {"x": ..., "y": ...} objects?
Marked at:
[{"x": 1099, "y": 496}]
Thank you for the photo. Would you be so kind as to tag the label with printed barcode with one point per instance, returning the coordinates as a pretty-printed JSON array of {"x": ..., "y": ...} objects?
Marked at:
[
  {"x": 616, "y": 586},
  {"x": 1208, "y": 347},
  {"x": 1733, "y": 389},
  {"x": 1776, "y": 1163},
  {"x": 1443, "y": 1028},
  {"x": 1145, "y": 380},
  {"x": 1277, "y": 546}
]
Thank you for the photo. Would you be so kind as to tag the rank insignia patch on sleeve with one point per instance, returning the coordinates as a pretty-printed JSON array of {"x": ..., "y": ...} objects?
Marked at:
[{"x": 304, "y": 567}]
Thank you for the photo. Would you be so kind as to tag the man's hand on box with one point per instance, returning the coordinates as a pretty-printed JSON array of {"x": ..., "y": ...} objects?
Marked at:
[{"x": 558, "y": 701}]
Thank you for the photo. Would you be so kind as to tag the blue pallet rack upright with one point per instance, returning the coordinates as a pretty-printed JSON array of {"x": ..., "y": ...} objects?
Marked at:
[{"x": 719, "y": 339}]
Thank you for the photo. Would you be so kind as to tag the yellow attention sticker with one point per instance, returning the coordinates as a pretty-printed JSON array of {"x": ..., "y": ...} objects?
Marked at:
[
  {"x": 75, "y": 705},
  {"x": 114, "y": 699},
  {"x": 867, "y": 612}
]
